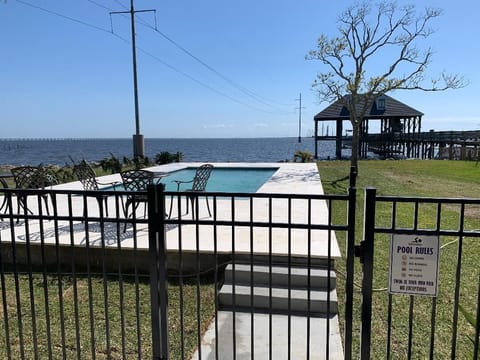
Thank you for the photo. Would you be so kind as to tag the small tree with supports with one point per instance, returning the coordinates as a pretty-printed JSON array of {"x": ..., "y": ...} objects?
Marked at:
[{"x": 376, "y": 52}]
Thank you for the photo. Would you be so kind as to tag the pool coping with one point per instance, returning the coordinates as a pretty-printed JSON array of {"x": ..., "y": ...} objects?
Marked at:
[
  {"x": 287, "y": 176},
  {"x": 290, "y": 178}
]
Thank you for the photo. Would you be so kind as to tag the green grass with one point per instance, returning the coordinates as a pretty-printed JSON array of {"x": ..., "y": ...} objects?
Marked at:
[
  {"x": 38, "y": 285},
  {"x": 48, "y": 287},
  {"x": 414, "y": 178}
]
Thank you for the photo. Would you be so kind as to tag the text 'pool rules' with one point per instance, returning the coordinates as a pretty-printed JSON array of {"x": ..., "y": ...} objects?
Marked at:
[{"x": 414, "y": 265}]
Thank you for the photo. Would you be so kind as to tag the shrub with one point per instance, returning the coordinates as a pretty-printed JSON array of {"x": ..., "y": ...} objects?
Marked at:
[
  {"x": 303, "y": 155},
  {"x": 166, "y": 158},
  {"x": 112, "y": 163}
]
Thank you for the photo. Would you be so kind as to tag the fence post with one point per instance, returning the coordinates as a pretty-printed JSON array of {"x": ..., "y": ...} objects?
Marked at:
[
  {"x": 348, "y": 331},
  {"x": 158, "y": 271},
  {"x": 365, "y": 252}
]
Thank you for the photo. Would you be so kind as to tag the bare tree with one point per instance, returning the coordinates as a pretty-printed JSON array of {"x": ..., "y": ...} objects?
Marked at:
[{"x": 376, "y": 52}]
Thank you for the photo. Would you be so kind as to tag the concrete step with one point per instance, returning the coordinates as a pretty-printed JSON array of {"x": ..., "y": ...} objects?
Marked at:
[
  {"x": 280, "y": 303},
  {"x": 299, "y": 276},
  {"x": 218, "y": 341},
  {"x": 300, "y": 261}
]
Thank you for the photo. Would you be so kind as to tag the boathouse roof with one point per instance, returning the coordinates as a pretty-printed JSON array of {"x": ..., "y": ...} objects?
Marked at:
[{"x": 393, "y": 108}]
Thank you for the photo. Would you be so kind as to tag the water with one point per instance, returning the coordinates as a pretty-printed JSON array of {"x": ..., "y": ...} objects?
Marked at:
[
  {"x": 61, "y": 151},
  {"x": 223, "y": 179}
]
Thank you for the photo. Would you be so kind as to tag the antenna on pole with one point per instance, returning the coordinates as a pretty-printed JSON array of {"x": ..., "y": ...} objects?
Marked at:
[
  {"x": 300, "y": 118},
  {"x": 138, "y": 143}
]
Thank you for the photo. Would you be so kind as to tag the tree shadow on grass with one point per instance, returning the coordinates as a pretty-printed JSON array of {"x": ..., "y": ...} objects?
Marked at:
[{"x": 341, "y": 183}]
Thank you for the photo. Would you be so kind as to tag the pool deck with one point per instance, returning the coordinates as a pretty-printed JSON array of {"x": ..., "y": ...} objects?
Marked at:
[{"x": 291, "y": 178}]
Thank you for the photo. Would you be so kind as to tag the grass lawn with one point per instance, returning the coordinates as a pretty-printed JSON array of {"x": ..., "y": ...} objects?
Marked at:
[
  {"x": 85, "y": 304},
  {"x": 86, "y": 296},
  {"x": 76, "y": 299},
  {"x": 426, "y": 178}
]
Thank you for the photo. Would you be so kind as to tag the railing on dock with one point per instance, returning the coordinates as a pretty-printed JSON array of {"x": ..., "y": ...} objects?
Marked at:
[{"x": 451, "y": 145}]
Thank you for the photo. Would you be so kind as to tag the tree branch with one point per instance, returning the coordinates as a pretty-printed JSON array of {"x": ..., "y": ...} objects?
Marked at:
[{"x": 389, "y": 35}]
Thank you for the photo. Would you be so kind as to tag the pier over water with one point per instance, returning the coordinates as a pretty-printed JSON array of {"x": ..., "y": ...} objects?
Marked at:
[{"x": 399, "y": 135}]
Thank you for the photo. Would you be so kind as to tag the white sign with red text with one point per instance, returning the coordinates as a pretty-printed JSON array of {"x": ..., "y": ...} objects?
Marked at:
[{"x": 414, "y": 264}]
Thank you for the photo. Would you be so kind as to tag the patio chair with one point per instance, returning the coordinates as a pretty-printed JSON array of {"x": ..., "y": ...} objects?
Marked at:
[
  {"x": 3, "y": 198},
  {"x": 32, "y": 177},
  {"x": 133, "y": 181},
  {"x": 199, "y": 183},
  {"x": 86, "y": 175}
]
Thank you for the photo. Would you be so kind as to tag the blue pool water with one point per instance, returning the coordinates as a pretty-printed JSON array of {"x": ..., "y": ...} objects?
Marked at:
[{"x": 247, "y": 180}]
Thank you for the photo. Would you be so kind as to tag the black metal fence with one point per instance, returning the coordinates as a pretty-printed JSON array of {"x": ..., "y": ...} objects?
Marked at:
[
  {"x": 256, "y": 268},
  {"x": 71, "y": 283},
  {"x": 90, "y": 285},
  {"x": 446, "y": 326},
  {"x": 270, "y": 258}
]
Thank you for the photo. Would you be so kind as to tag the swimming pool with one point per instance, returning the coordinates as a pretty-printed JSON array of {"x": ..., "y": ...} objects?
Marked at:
[{"x": 223, "y": 179}]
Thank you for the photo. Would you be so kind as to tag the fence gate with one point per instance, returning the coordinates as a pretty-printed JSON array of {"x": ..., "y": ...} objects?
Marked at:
[{"x": 401, "y": 316}]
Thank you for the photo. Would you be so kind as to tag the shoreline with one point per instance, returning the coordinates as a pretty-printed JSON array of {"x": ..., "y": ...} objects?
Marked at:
[{"x": 61, "y": 152}]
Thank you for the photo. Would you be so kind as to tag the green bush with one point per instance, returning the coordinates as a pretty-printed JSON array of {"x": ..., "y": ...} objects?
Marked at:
[
  {"x": 111, "y": 164},
  {"x": 303, "y": 155},
  {"x": 166, "y": 158}
]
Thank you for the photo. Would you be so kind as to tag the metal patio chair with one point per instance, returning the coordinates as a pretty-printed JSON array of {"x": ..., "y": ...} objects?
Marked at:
[
  {"x": 86, "y": 175},
  {"x": 134, "y": 181},
  {"x": 3, "y": 198},
  {"x": 32, "y": 177},
  {"x": 199, "y": 183}
]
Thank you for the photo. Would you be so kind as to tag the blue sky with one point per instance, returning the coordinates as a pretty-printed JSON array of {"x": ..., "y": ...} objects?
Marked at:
[{"x": 66, "y": 75}]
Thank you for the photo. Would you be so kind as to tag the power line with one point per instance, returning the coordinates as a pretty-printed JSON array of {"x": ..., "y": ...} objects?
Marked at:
[
  {"x": 62, "y": 16},
  {"x": 173, "y": 68},
  {"x": 244, "y": 90},
  {"x": 198, "y": 81},
  {"x": 120, "y": 3},
  {"x": 99, "y": 5}
]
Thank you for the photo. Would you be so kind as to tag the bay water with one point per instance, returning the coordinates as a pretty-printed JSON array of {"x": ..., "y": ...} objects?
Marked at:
[{"x": 63, "y": 151}]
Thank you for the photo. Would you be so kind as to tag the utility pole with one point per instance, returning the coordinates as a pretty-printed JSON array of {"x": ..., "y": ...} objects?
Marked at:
[
  {"x": 138, "y": 143},
  {"x": 300, "y": 118}
]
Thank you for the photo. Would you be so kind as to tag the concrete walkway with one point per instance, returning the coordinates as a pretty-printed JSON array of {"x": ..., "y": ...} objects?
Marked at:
[{"x": 280, "y": 340}]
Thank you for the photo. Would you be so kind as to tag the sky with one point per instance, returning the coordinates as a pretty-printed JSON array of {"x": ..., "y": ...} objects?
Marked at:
[{"x": 206, "y": 69}]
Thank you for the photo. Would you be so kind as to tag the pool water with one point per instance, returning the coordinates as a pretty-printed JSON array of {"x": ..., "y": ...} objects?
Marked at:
[{"x": 247, "y": 180}]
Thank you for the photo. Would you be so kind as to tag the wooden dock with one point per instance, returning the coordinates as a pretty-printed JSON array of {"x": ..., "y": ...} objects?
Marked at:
[{"x": 452, "y": 145}]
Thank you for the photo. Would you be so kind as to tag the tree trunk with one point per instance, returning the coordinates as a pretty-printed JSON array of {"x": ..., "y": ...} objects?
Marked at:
[
  {"x": 355, "y": 152},
  {"x": 355, "y": 144}
]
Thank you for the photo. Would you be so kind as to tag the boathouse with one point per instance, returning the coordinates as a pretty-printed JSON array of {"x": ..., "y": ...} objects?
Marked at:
[{"x": 395, "y": 134}]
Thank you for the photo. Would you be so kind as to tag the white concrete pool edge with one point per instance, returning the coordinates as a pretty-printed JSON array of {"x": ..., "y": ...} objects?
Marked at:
[
  {"x": 290, "y": 178},
  {"x": 285, "y": 178}
]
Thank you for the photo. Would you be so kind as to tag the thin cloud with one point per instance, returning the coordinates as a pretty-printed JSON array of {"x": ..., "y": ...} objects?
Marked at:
[{"x": 217, "y": 126}]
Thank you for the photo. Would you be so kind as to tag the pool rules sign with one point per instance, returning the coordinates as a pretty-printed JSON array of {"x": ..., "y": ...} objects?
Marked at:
[{"x": 414, "y": 265}]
